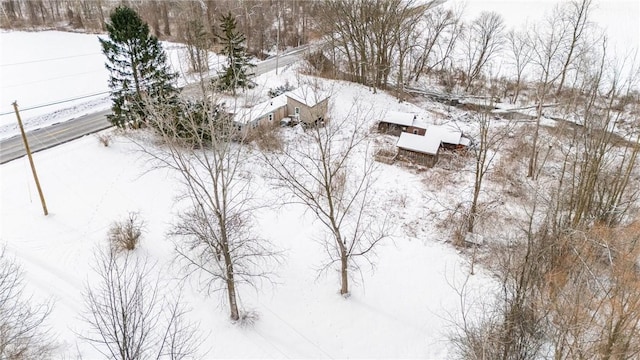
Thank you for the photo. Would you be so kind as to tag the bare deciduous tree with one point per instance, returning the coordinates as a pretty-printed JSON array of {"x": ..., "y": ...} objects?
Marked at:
[
  {"x": 365, "y": 34},
  {"x": 510, "y": 324},
  {"x": 129, "y": 317},
  {"x": 331, "y": 172},
  {"x": 546, "y": 42},
  {"x": 196, "y": 38},
  {"x": 214, "y": 237},
  {"x": 404, "y": 33},
  {"x": 576, "y": 18},
  {"x": 23, "y": 334},
  {"x": 595, "y": 180},
  {"x": 568, "y": 296},
  {"x": 482, "y": 40},
  {"x": 593, "y": 292},
  {"x": 489, "y": 138},
  {"x": 435, "y": 42},
  {"x": 520, "y": 48}
]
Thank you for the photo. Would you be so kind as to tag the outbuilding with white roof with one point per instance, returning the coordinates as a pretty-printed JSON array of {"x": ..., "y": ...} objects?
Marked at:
[
  {"x": 421, "y": 149},
  {"x": 396, "y": 122}
]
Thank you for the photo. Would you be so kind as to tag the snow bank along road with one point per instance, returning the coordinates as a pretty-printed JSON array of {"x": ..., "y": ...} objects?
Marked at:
[
  {"x": 41, "y": 139},
  {"x": 44, "y": 138}
]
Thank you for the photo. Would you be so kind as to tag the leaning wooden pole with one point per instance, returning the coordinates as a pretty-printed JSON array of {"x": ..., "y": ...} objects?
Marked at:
[{"x": 33, "y": 167}]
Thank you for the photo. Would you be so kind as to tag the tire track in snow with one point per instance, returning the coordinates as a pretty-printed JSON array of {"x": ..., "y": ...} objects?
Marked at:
[{"x": 49, "y": 284}]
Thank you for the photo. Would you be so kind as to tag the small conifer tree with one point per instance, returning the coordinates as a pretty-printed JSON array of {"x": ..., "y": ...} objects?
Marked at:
[
  {"x": 235, "y": 74},
  {"x": 140, "y": 74}
]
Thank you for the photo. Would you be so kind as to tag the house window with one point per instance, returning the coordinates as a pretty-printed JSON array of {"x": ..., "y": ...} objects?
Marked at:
[
  {"x": 271, "y": 117},
  {"x": 296, "y": 110}
]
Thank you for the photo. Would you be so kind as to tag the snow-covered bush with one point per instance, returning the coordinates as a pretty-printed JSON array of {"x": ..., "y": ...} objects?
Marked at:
[{"x": 279, "y": 90}]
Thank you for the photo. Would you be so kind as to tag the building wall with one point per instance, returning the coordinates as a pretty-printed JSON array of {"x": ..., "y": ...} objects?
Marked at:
[
  {"x": 416, "y": 130},
  {"x": 278, "y": 114},
  {"x": 308, "y": 115},
  {"x": 395, "y": 129},
  {"x": 391, "y": 129},
  {"x": 419, "y": 158}
]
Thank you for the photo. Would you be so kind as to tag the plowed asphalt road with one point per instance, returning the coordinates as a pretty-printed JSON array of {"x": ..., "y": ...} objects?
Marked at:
[{"x": 50, "y": 136}]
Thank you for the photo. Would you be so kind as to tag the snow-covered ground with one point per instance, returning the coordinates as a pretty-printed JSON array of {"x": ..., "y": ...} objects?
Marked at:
[
  {"x": 618, "y": 19},
  {"x": 400, "y": 309},
  {"x": 52, "y": 67},
  {"x": 39, "y": 68}
]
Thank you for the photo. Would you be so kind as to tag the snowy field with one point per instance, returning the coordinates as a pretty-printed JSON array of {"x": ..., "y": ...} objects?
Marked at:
[
  {"x": 52, "y": 68},
  {"x": 45, "y": 67},
  {"x": 400, "y": 309}
]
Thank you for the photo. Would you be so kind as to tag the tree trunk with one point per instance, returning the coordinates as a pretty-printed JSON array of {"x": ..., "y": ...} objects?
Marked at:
[
  {"x": 533, "y": 160},
  {"x": 231, "y": 284},
  {"x": 481, "y": 168},
  {"x": 474, "y": 208},
  {"x": 101, "y": 15},
  {"x": 165, "y": 17},
  {"x": 344, "y": 271},
  {"x": 517, "y": 91}
]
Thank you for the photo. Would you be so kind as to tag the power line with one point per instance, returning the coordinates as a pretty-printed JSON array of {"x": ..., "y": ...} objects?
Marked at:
[
  {"x": 54, "y": 78},
  {"x": 57, "y": 102},
  {"x": 50, "y": 59}
]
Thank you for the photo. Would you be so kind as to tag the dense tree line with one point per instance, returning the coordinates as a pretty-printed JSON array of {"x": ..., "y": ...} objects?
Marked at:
[{"x": 285, "y": 23}]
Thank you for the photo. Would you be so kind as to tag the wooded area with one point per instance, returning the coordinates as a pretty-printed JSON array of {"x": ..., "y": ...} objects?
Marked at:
[{"x": 174, "y": 20}]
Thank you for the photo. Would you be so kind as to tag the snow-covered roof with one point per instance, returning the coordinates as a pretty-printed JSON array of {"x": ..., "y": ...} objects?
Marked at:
[
  {"x": 308, "y": 95},
  {"x": 247, "y": 115},
  {"x": 419, "y": 123},
  {"x": 419, "y": 143},
  {"x": 446, "y": 134},
  {"x": 399, "y": 118}
]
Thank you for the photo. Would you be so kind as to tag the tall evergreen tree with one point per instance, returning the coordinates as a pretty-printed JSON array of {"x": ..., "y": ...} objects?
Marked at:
[
  {"x": 236, "y": 72},
  {"x": 139, "y": 72}
]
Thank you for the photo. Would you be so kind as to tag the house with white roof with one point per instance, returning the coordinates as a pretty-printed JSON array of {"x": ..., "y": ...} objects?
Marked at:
[
  {"x": 308, "y": 104},
  {"x": 267, "y": 112},
  {"x": 305, "y": 104}
]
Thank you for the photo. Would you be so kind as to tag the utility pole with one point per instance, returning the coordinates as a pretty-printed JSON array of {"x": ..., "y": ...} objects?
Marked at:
[{"x": 33, "y": 167}]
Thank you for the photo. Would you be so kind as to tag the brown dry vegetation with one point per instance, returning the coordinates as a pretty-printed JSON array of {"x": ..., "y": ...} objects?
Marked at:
[{"x": 266, "y": 137}]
